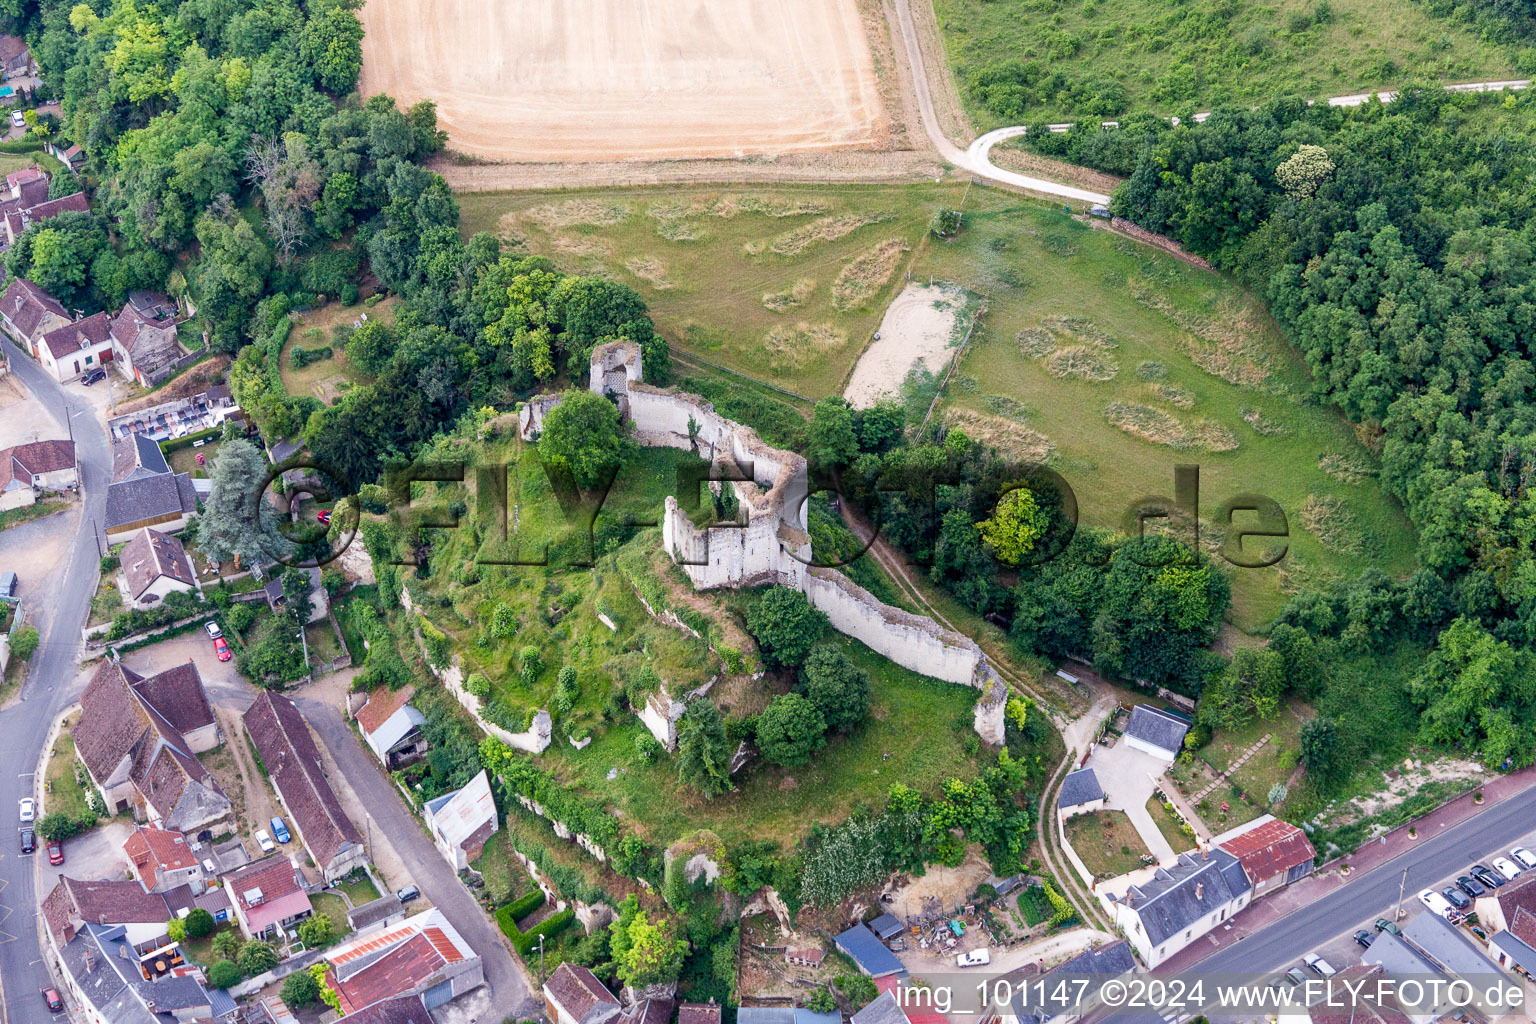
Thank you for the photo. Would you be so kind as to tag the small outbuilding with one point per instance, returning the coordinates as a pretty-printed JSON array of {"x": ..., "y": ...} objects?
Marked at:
[
  {"x": 868, "y": 953},
  {"x": 1156, "y": 731},
  {"x": 1080, "y": 794}
]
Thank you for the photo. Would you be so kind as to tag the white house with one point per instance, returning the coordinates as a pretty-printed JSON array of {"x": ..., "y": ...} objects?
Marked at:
[
  {"x": 1155, "y": 731},
  {"x": 462, "y": 821},
  {"x": 1180, "y": 903},
  {"x": 154, "y": 565},
  {"x": 76, "y": 348},
  {"x": 28, "y": 471},
  {"x": 1080, "y": 794}
]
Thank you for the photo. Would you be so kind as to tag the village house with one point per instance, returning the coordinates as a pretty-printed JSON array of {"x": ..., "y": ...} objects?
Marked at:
[
  {"x": 698, "y": 1013},
  {"x": 375, "y": 914},
  {"x": 29, "y": 471},
  {"x": 163, "y": 501},
  {"x": 27, "y": 313},
  {"x": 76, "y": 348},
  {"x": 162, "y": 859},
  {"x": 1101, "y": 964},
  {"x": 154, "y": 564},
  {"x": 461, "y": 822},
  {"x": 885, "y": 1009},
  {"x": 293, "y": 763},
  {"x": 144, "y": 343},
  {"x": 268, "y": 897},
  {"x": 15, "y": 219},
  {"x": 573, "y": 995},
  {"x": 1273, "y": 853},
  {"x": 1080, "y": 794},
  {"x": 71, "y": 155},
  {"x": 399, "y": 1010},
  {"x": 868, "y": 953},
  {"x": 130, "y": 740},
  {"x": 392, "y": 727},
  {"x": 423, "y": 955},
  {"x": 74, "y": 903},
  {"x": 15, "y": 58},
  {"x": 182, "y": 900},
  {"x": 113, "y": 982},
  {"x": 1514, "y": 948},
  {"x": 1180, "y": 903},
  {"x": 1497, "y": 910}
]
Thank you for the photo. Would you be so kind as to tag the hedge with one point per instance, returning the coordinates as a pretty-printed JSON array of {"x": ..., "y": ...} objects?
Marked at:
[
  {"x": 22, "y": 146},
  {"x": 176, "y": 444},
  {"x": 523, "y": 905},
  {"x": 528, "y": 942}
]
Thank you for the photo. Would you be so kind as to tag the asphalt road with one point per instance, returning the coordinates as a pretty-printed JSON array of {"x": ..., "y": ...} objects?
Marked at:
[
  {"x": 1486, "y": 834},
  {"x": 48, "y": 690}
]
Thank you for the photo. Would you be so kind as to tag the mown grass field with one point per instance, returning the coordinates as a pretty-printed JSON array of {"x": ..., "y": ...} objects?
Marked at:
[
  {"x": 326, "y": 328},
  {"x": 1112, "y": 361},
  {"x": 1119, "y": 56}
]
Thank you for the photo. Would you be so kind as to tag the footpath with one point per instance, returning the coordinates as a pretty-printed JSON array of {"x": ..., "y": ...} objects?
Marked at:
[{"x": 1332, "y": 877}]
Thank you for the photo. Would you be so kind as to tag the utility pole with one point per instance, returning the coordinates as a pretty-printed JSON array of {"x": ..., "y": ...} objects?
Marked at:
[
  {"x": 541, "y": 959},
  {"x": 1401, "y": 886},
  {"x": 97, "y": 538}
]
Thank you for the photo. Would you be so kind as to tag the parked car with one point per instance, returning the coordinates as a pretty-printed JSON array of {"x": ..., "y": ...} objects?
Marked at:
[
  {"x": 28, "y": 841},
  {"x": 1318, "y": 964},
  {"x": 51, "y": 999},
  {"x": 1491, "y": 879},
  {"x": 18, "y": 119},
  {"x": 1457, "y": 898},
  {"x": 1523, "y": 856},
  {"x": 28, "y": 809},
  {"x": 1365, "y": 938},
  {"x": 94, "y": 377},
  {"x": 324, "y": 517},
  {"x": 214, "y": 632},
  {"x": 975, "y": 958},
  {"x": 1296, "y": 977},
  {"x": 1383, "y": 925},
  {"x": 1506, "y": 867},
  {"x": 1471, "y": 886},
  {"x": 280, "y": 830},
  {"x": 407, "y": 894},
  {"x": 265, "y": 841},
  {"x": 55, "y": 852},
  {"x": 221, "y": 648}
]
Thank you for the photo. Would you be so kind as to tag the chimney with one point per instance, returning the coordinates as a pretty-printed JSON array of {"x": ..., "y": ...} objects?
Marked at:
[
  {"x": 1205, "y": 853},
  {"x": 1199, "y": 890}
]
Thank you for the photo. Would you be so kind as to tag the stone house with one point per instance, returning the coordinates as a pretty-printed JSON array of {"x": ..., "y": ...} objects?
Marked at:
[
  {"x": 392, "y": 727},
  {"x": 29, "y": 471},
  {"x": 1180, "y": 903},
  {"x": 144, "y": 343},
  {"x": 573, "y": 995},
  {"x": 154, "y": 565},
  {"x": 76, "y": 348},
  {"x": 73, "y": 903},
  {"x": 423, "y": 955},
  {"x": 27, "y": 313},
  {"x": 1156, "y": 731},
  {"x": 14, "y": 220}
]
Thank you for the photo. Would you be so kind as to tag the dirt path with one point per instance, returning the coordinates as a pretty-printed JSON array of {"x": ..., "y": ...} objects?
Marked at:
[{"x": 258, "y": 804}]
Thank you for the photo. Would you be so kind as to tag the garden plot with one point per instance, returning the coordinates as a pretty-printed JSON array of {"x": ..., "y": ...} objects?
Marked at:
[{"x": 918, "y": 328}]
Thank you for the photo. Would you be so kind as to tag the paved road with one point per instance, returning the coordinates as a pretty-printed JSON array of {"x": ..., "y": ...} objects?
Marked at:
[
  {"x": 48, "y": 689},
  {"x": 510, "y": 995},
  {"x": 1491, "y": 832}
]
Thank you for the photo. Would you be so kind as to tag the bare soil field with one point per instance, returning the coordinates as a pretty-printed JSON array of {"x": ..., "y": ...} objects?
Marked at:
[
  {"x": 604, "y": 80},
  {"x": 919, "y": 326}
]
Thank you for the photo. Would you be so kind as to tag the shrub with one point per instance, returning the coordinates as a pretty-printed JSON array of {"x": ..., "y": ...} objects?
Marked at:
[
  {"x": 224, "y": 974},
  {"x": 529, "y": 664},
  {"x": 256, "y": 957},
  {"x": 226, "y": 944},
  {"x": 239, "y": 617},
  {"x": 478, "y": 685},
  {"x": 647, "y": 747},
  {"x": 300, "y": 989},
  {"x": 317, "y": 931},
  {"x": 785, "y": 626},
  {"x": 109, "y": 564},
  {"x": 945, "y": 223},
  {"x": 199, "y": 923}
]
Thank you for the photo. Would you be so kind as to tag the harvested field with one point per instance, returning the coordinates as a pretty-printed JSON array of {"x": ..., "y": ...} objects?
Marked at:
[
  {"x": 1159, "y": 427},
  {"x": 650, "y": 270},
  {"x": 793, "y": 347},
  {"x": 604, "y": 80},
  {"x": 1011, "y": 439},
  {"x": 866, "y": 274},
  {"x": 918, "y": 327},
  {"x": 782, "y": 302}
]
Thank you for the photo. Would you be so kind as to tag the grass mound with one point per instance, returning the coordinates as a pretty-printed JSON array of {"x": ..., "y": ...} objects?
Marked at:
[
  {"x": 1011, "y": 438},
  {"x": 1226, "y": 345},
  {"x": 783, "y": 302},
  {"x": 1164, "y": 428},
  {"x": 595, "y": 213},
  {"x": 1009, "y": 407},
  {"x": 1071, "y": 346},
  {"x": 1090, "y": 362},
  {"x": 817, "y": 232},
  {"x": 866, "y": 274},
  {"x": 793, "y": 347},
  {"x": 1261, "y": 423},
  {"x": 649, "y": 269},
  {"x": 1331, "y": 522},
  {"x": 1347, "y": 469},
  {"x": 1174, "y": 395}
]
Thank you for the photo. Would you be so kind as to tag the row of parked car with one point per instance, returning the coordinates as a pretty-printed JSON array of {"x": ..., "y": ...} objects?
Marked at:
[
  {"x": 1453, "y": 901},
  {"x": 28, "y": 812}
]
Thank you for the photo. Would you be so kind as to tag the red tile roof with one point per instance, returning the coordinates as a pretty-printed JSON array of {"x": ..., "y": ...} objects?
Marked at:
[
  {"x": 1523, "y": 926},
  {"x": 177, "y": 694},
  {"x": 698, "y": 1013},
  {"x": 149, "y": 556},
  {"x": 82, "y": 334},
  {"x": 382, "y": 702},
  {"x": 26, "y": 305},
  {"x": 155, "y": 850},
  {"x": 1517, "y": 896},
  {"x": 411, "y": 956},
  {"x": 111, "y": 722},
  {"x": 1272, "y": 848},
  {"x": 101, "y": 902},
  {"x": 399, "y": 1010},
  {"x": 577, "y": 991},
  {"x": 34, "y": 458},
  {"x": 282, "y": 895}
]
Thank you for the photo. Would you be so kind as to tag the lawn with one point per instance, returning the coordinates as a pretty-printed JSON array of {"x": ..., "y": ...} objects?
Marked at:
[
  {"x": 1170, "y": 826},
  {"x": 1110, "y": 360},
  {"x": 26, "y": 513},
  {"x": 1116, "y": 56},
  {"x": 201, "y": 950},
  {"x": 327, "y": 327},
  {"x": 321, "y": 639},
  {"x": 741, "y": 278},
  {"x": 184, "y": 460},
  {"x": 64, "y": 795},
  {"x": 1273, "y": 762},
  {"x": 332, "y": 906},
  {"x": 359, "y": 888},
  {"x": 1107, "y": 842},
  {"x": 107, "y": 601}
]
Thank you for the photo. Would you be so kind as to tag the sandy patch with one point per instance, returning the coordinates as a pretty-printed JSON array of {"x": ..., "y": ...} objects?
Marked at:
[
  {"x": 602, "y": 80},
  {"x": 918, "y": 327}
]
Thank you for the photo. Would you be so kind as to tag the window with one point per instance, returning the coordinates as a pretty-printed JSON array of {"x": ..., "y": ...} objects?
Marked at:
[{"x": 88, "y": 360}]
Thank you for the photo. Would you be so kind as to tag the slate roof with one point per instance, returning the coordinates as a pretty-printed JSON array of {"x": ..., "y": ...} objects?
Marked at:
[
  {"x": 178, "y": 696},
  {"x": 1162, "y": 729},
  {"x": 1446, "y": 947},
  {"x": 399, "y": 1010},
  {"x": 25, "y": 304},
  {"x": 82, "y": 334},
  {"x": 151, "y": 555},
  {"x": 137, "y": 456},
  {"x": 374, "y": 911},
  {"x": 106, "y": 970},
  {"x": 1112, "y": 960},
  {"x": 577, "y": 991},
  {"x": 781, "y": 1015},
  {"x": 1516, "y": 950},
  {"x": 1270, "y": 849},
  {"x": 134, "y": 500},
  {"x": 886, "y": 927},
  {"x": 884, "y": 1010},
  {"x": 293, "y": 762},
  {"x": 1176, "y": 897},
  {"x": 1078, "y": 788},
  {"x": 868, "y": 952},
  {"x": 1395, "y": 956}
]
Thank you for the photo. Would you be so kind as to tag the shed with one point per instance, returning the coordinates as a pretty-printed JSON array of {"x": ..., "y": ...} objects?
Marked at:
[
  {"x": 1156, "y": 731},
  {"x": 868, "y": 953},
  {"x": 886, "y": 927},
  {"x": 1080, "y": 793},
  {"x": 7, "y": 585}
]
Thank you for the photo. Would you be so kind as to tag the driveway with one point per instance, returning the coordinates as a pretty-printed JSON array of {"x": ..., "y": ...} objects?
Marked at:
[
  {"x": 97, "y": 854},
  {"x": 510, "y": 989},
  {"x": 1128, "y": 777},
  {"x": 219, "y": 677}
]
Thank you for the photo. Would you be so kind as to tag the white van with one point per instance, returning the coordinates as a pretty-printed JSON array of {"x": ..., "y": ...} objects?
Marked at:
[{"x": 1437, "y": 903}]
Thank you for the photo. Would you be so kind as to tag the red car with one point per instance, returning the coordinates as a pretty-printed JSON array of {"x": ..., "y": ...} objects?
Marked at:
[
  {"x": 51, "y": 997},
  {"x": 221, "y": 648},
  {"x": 324, "y": 515},
  {"x": 55, "y": 852}
]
